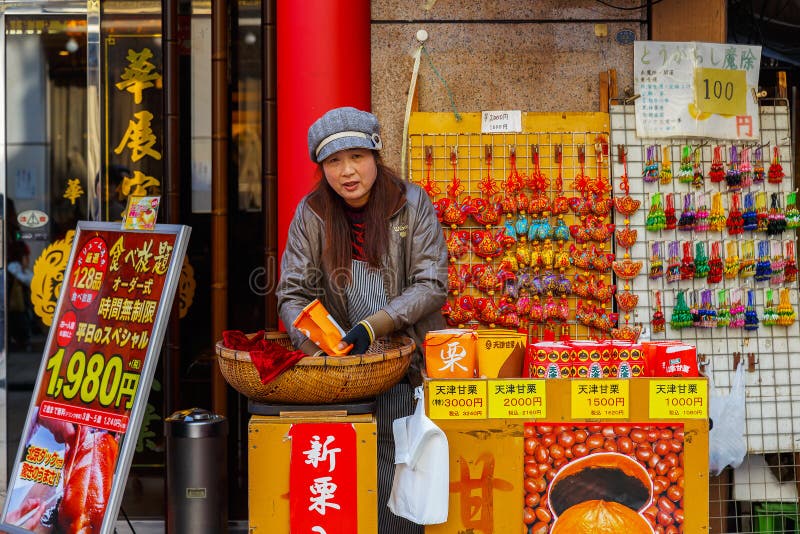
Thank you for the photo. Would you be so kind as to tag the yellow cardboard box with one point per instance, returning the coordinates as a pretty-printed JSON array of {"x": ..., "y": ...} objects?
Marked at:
[
  {"x": 501, "y": 353},
  {"x": 450, "y": 353}
]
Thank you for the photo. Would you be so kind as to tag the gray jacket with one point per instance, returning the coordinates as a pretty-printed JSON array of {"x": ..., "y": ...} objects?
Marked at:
[{"x": 414, "y": 272}]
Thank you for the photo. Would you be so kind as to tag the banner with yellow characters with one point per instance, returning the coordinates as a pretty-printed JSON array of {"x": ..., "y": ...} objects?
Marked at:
[
  {"x": 696, "y": 90},
  {"x": 96, "y": 371}
]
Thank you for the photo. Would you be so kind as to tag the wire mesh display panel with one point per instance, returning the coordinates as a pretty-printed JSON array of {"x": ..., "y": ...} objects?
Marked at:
[
  {"x": 752, "y": 497},
  {"x": 470, "y": 175}
]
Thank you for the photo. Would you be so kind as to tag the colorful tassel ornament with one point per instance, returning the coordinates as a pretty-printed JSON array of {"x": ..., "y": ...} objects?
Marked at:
[{"x": 681, "y": 315}]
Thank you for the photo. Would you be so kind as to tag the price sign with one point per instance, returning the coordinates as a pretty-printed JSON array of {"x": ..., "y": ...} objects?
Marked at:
[
  {"x": 517, "y": 399},
  {"x": 720, "y": 91},
  {"x": 600, "y": 399},
  {"x": 501, "y": 121},
  {"x": 457, "y": 399},
  {"x": 95, "y": 376},
  {"x": 696, "y": 90},
  {"x": 679, "y": 398}
]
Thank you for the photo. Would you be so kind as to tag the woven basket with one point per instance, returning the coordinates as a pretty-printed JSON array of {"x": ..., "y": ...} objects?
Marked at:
[{"x": 320, "y": 379}]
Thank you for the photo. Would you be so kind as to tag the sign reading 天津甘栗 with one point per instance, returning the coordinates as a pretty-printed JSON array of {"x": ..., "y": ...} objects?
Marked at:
[
  {"x": 96, "y": 372},
  {"x": 696, "y": 90}
]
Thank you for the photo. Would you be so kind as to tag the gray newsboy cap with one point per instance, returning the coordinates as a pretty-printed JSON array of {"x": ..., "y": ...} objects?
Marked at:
[{"x": 340, "y": 129}]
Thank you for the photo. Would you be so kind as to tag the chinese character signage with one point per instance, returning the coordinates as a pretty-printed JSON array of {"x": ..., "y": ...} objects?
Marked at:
[
  {"x": 96, "y": 372},
  {"x": 133, "y": 123},
  {"x": 600, "y": 399},
  {"x": 696, "y": 89},
  {"x": 679, "y": 399},
  {"x": 458, "y": 399},
  {"x": 323, "y": 478},
  {"x": 517, "y": 399}
]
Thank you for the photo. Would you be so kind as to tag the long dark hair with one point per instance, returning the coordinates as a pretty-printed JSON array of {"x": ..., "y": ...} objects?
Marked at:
[{"x": 385, "y": 198}]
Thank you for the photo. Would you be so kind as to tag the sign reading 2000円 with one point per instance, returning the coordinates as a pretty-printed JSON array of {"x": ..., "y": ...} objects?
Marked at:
[{"x": 96, "y": 371}]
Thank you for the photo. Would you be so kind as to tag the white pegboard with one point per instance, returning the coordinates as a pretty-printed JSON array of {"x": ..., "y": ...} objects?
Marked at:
[{"x": 773, "y": 393}]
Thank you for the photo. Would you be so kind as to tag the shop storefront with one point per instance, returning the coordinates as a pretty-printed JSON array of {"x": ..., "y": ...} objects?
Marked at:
[
  {"x": 93, "y": 116},
  {"x": 107, "y": 100}
]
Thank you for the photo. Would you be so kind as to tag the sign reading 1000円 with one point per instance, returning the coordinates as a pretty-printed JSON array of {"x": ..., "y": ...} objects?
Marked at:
[{"x": 96, "y": 371}]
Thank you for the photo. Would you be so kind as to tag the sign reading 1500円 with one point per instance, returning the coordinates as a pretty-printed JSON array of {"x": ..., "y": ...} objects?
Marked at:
[{"x": 96, "y": 371}]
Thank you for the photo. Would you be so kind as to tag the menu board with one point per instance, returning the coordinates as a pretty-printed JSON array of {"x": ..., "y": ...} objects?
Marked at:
[
  {"x": 93, "y": 382},
  {"x": 696, "y": 89}
]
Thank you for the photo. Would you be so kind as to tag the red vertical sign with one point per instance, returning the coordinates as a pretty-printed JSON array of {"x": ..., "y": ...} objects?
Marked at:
[{"x": 323, "y": 479}]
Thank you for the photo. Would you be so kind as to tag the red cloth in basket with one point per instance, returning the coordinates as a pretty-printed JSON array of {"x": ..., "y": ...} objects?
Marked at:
[{"x": 269, "y": 358}]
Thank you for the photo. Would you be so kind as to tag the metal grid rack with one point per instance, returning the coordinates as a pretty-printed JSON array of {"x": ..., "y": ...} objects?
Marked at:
[
  {"x": 430, "y": 158},
  {"x": 742, "y": 500}
]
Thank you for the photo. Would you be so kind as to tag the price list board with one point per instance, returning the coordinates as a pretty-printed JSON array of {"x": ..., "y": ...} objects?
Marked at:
[
  {"x": 559, "y": 399},
  {"x": 537, "y": 433}
]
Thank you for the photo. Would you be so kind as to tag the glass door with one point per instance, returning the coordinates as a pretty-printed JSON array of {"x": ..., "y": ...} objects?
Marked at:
[{"x": 45, "y": 185}]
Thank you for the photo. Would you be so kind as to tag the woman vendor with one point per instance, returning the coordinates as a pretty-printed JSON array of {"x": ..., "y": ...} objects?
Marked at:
[{"x": 369, "y": 246}]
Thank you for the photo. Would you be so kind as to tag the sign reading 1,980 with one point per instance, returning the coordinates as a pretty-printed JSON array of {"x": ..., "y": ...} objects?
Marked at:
[
  {"x": 721, "y": 91},
  {"x": 97, "y": 368},
  {"x": 600, "y": 399}
]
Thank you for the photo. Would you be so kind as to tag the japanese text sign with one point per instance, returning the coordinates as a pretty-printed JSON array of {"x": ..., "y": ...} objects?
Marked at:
[
  {"x": 696, "y": 89},
  {"x": 457, "y": 399},
  {"x": 600, "y": 399},
  {"x": 517, "y": 399},
  {"x": 323, "y": 480},
  {"x": 679, "y": 399},
  {"x": 501, "y": 121},
  {"x": 133, "y": 95},
  {"x": 96, "y": 371}
]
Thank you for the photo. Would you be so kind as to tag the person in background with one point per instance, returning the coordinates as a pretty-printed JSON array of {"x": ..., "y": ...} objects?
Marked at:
[
  {"x": 116, "y": 200},
  {"x": 20, "y": 310},
  {"x": 371, "y": 248}
]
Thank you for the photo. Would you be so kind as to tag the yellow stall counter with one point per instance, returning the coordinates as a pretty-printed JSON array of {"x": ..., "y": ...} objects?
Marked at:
[
  {"x": 534, "y": 456},
  {"x": 270, "y": 450}
]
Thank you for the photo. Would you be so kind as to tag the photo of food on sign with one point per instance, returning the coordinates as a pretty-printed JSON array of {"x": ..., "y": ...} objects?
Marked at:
[
  {"x": 92, "y": 367},
  {"x": 609, "y": 478},
  {"x": 141, "y": 213},
  {"x": 67, "y": 473}
]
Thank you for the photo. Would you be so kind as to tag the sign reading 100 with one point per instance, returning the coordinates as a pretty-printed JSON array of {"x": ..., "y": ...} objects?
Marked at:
[{"x": 720, "y": 91}]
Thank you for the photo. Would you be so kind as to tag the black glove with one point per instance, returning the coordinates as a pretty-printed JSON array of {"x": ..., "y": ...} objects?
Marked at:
[{"x": 360, "y": 336}]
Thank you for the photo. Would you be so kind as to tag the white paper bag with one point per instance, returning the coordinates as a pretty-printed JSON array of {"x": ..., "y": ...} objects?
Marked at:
[{"x": 421, "y": 485}]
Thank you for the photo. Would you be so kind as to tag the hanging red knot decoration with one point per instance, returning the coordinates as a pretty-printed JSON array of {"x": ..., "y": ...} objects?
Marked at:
[
  {"x": 429, "y": 185},
  {"x": 488, "y": 185},
  {"x": 775, "y": 173}
]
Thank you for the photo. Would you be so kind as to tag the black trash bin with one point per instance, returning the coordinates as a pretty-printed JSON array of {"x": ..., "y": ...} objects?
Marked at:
[{"x": 197, "y": 474}]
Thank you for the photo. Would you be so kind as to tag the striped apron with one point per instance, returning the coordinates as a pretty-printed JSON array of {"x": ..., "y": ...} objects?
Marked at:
[{"x": 365, "y": 296}]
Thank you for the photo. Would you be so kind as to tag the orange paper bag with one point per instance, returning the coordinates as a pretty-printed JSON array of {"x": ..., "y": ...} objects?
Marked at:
[
  {"x": 317, "y": 325},
  {"x": 450, "y": 353}
]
